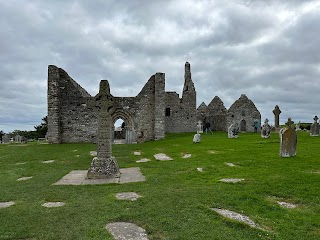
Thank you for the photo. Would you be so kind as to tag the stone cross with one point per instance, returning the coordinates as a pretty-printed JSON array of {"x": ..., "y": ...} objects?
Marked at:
[
  {"x": 314, "y": 128},
  {"x": 288, "y": 140},
  {"x": 104, "y": 165},
  {"x": 276, "y": 113}
]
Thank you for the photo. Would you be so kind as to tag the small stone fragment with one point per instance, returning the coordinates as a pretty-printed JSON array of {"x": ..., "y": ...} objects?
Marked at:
[
  {"x": 162, "y": 157},
  {"x": 186, "y": 156},
  {"x": 143, "y": 160},
  {"x": 6, "y": 204},
  {"x": 287, "y": 205},
  {"x": 53, "y": 204},
  {"x": 137, "y": 153},
  {"x": 48, "y": 161},
  {"x": 23, "y": 178},
  {"x": 21, "y": 163},
  {"x": 128, "y": 196},
  {"x": 200, "y": 169},
  {"x": 93, "y": 153},
  {"x": 232, "y": 180},
  {"x": 230, "y": 164},
  {"x": 126, "y": 231}
]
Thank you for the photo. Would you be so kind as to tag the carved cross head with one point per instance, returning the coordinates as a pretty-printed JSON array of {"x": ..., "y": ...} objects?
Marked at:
[{"x": 289, "y": 123}]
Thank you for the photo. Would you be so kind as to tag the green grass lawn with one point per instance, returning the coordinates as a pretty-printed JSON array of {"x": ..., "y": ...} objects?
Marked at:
[{"x": 177, "y": 199}]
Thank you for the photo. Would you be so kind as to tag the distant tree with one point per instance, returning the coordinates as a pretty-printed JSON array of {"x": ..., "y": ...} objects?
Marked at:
[{"x": 41, "y": 130}]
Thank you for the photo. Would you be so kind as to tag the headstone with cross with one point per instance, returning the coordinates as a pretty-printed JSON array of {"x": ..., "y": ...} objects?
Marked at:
[
  {"x": 276, "y": 113},
  {"x": 314, "y": 128},
  {"x": 288, "y": 140},
  {"x": 104, "y": 165}
]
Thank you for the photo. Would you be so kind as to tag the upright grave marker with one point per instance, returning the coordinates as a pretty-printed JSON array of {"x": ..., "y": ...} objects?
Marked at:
[
  {"x": 276, "y": 113},
  {"x": 104, "y": 165},
  {"x": 314, "y": 128},
  {"x": 266, "y": 129},
  {"x": 288, "y": 140}
]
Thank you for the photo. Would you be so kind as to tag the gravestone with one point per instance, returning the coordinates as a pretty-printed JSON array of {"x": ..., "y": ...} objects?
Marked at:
[
  {"x": 276, "y": 113},
  {"x": 233, "y": 130},
  {"x": 104, "y": 165},
  {"x": 199, "y": 127},
  {"x": 5, "y": 139},
  {"x": 298, "y": 126},
  {"x": 314, "y": 128},
  {"x": 288, "y": 140},
  {"x": 18, "y": 139},
  {"x": 196, "y": 138},
  {"x": 266, "y": 129}
]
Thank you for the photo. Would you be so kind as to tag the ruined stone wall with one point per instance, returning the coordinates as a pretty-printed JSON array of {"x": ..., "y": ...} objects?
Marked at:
[
  {"x": 243, "y": 111},
  {"x": 69, "y": 118},
  {"x": 217, "y": 114},
  {"x": 72, "y": 116},
  {"x": 183, "y": 112}
]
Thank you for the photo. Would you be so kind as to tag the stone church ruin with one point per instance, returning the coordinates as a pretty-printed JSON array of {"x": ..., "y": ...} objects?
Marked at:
[{"x": 147, "y": 116}]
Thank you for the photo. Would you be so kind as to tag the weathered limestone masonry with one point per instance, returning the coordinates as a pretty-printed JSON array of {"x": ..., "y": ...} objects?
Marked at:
[
  {"x": 71, "y": 119},
  {"x": 181, "y": 114},
  {"x": 243, "y": 112}
]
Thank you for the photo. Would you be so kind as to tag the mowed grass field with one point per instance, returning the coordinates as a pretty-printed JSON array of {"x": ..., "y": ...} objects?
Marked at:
[{"x": 177, "y": 199}]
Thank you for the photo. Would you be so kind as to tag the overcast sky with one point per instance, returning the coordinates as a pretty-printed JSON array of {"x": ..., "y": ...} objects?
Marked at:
[{"x": 268, "y": 50}]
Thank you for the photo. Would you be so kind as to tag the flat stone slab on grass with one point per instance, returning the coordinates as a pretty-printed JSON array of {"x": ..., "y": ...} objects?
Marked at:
[
  {"x": 236, "y": 216},
  {"x": 23, "y": 178},
  {"x": 143, "y": 160},
  {"x": 230, "y": 164},
  {"x": 287, "y": 205},
  {"x": 200, "y": 169},
  {"x": 126, "y": 231},
  {"x": 53, "y": 204},
  {"x": 93, "y": 153},
  {"x": 79, "y": 177},
  {"x": 162, "y": 157},
  {"x": 48, "y": 161},
  {"x": 231, "y": 180},
  {"x": 137, "y": 153},
  {"x": 186, "y": 155},
  {"x": 128, "y": 196},
  {"x": 21, "y": 163},
  {"x": 6, "y": 204}
]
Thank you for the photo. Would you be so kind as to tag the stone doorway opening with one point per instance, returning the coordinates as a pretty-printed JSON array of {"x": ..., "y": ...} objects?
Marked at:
[
  {"x": 243, "y": 126},
  {"x": 123, "y": 127},
  {"x": 119, "y": 133}
]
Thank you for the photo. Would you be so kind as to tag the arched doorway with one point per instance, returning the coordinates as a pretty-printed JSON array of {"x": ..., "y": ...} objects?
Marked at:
[
  {"x": 119, "y": 133},
  {"x": 124, "y": 131},
  {"x": 243, "y": 126}
]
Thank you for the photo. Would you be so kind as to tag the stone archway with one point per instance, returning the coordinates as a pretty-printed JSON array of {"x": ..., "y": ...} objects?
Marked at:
[
  {"x": 130, "y": 134},
  {"x": 243, "y": 126}
]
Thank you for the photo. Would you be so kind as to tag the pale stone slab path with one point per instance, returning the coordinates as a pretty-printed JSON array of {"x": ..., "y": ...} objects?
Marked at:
[
  {"x": 128, "y": 196},
  {"x": 79, "y": 177},
  {"x": 237, "y": 216},
  {"x": 287, "y": 205},
  {"x": 162, "y": 157},
  {"x": 6, "y": 204},
  {"x": 23, "y": 178},
  {"x": 143, "y": 160},
  {"x": 126, "y": 231},
  {"x": 53, "y": 204},
  {"x": 137, "y": 153},
  {"x": 48, "y": 161},
  {"x": 231, "y": 180}
]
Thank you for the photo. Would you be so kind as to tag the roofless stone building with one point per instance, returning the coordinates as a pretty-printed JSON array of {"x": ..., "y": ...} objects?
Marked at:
[{"x": 147, "y": 116}]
